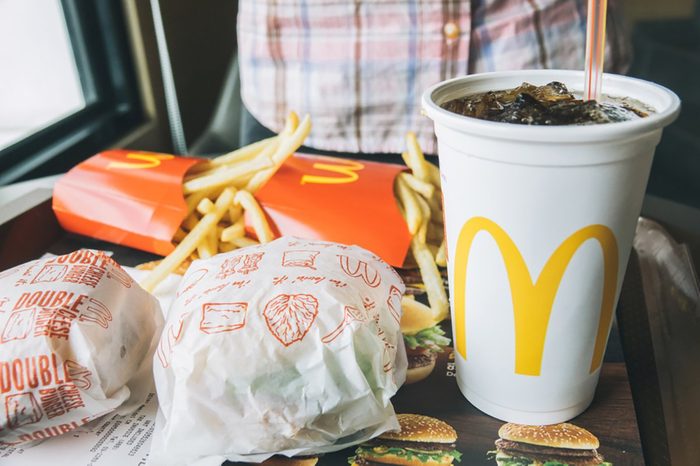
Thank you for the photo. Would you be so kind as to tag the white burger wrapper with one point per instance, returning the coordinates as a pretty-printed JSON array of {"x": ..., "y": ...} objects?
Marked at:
[
  {"x": 77, "y": 337},
  {"x": 289, "y": 348}
]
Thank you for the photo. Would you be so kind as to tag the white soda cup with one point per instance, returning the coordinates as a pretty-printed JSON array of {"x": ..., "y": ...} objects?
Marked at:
[{"x": 539, "y": 225}]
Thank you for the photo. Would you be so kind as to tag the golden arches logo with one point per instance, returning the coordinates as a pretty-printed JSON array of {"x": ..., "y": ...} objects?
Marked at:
[
  {"x": 146, "y": 161},
  {"x": 533, "y": 301},
  {"x": 348, "y": 169}
]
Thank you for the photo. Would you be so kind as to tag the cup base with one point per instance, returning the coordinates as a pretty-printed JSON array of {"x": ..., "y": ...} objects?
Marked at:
[{"x": 523, "y": 417}]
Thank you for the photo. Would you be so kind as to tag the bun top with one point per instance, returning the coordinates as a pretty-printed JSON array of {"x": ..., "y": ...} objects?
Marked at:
[
  {"x": 556, "y": 435},
  {"x": 416, "y": 317},
  {"x": 417, "y": 428}
]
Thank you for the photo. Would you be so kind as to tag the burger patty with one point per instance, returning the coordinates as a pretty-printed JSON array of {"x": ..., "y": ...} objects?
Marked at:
[
  {"x": 420, "y": 360},
  {"x": 423, "y": 446},
  {"x": 569, "y": 456}
]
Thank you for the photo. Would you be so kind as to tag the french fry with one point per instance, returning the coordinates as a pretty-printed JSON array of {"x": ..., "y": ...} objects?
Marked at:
[
  {"x": 433, "y": 174},
  {"x": 188, "y": 245},
  {"x": 288, "y": 145},
  {"x": 180, "y": 270},
  {"x": 425, "y": 214},
  {"x": 424, "y": 189},
  {"x": 257, "y": 216},
  {"x": 434, "y": 286},
  {"x": 243, "y": 242},
  {"x": 435, "y": 203},
  {"x": 244, "y": 153},
  {"x": 227, "y": 247},
  {"x": 409, "y": 201},
  {"x": 234, "y": 213},
  {"x": 415, "y": 159},
  {"x": 265, "y": 154},
  {"x": 194, "y": 199},
  {"x": 205, "y": 206},
  {"x": 441, "y": 255},
  {"x": 237, "y": 230},
  {"x": 228, "y": 176},
  {"x": 204, "y": 250}
]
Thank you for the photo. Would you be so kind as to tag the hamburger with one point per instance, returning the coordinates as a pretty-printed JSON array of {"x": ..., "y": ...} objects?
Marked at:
[
  {"x": 421, "y": 441},
  {"x": 552, "y": 445},
  {"x": 423, "y": 338}
]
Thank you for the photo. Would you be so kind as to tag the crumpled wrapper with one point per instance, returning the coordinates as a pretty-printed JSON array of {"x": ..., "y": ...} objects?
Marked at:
[
  {"x": 289, "y": 348},
  {"x": 77, "y": 337}
]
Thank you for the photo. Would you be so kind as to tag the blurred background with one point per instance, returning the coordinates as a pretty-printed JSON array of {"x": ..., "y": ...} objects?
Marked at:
[{"x": 81, "y": 76}]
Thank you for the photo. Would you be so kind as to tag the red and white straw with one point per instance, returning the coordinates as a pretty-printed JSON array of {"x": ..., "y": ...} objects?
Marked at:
[{"x": 595, "y": 49}]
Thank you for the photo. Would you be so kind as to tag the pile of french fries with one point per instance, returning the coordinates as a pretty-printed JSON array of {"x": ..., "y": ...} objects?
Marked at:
[
  {"x": 218, "y": 193},
  {"x": 420, "y": 200}
]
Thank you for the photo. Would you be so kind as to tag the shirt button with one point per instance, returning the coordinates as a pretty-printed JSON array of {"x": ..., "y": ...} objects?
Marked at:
[{"x": 451, "y": 31}]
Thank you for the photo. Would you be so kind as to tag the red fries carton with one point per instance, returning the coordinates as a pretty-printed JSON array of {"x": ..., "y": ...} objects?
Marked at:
[{"x": 135, "y": 199}]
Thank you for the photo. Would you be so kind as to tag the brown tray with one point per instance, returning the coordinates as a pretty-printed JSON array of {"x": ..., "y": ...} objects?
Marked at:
[{"x": 611, "y": 417}]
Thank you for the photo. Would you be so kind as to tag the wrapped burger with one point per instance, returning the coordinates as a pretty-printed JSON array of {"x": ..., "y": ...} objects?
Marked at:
[
  {"x": 290, "y": 348},
  {"x": 77, "y": 336}
]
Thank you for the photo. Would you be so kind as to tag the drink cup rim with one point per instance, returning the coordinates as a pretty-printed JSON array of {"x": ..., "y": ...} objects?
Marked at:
[{"x": 664, "y": 101}]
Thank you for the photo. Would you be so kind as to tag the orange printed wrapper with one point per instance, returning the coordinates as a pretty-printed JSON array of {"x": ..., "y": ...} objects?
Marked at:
[
  {"x": 78, "y": 337},
  {"x": 125, "y": 197},
  {"x": 135, "y": 199}
]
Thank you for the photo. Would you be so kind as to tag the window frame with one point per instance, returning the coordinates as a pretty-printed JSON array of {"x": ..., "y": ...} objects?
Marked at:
[{"x": 98, "y": 35}]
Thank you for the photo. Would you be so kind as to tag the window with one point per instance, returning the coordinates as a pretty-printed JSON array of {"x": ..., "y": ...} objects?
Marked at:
[{"x": 67, "y": 89}]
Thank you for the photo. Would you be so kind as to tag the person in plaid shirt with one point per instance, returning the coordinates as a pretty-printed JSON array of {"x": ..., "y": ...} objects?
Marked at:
[{"x": 359, "y": 67}]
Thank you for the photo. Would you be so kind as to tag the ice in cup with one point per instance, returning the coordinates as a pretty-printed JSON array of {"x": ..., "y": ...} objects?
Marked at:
[{"x": 539, "y": 223}]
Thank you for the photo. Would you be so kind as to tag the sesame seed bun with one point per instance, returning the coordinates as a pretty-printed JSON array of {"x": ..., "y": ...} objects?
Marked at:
[
  {"x": 556, "y": 435},
  {"x": 417, "y": 428}
]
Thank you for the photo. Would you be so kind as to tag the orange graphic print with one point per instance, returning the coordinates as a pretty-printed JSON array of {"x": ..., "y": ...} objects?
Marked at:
[
  {"x": 95, "y": 312},
  {"x": 387, "y": 361},
  {"x": 393, "y": 302},
  {"x": 22, "y": 409},
  {"x": 350, "y": 314},
  {"x": 79, "y": 375},
  {"x": 358, "y": 268},
  {"x": 290, "y": 316},
  {"x": 118, "y": 274},
  {"x": 144, "y": 160},
  {"x": 300, "y": 258},
  {"x": 191, "y": 281},
  {"x": 50, "y": 273},
  {"x": 18, "y": 325},
  {"x": 223, "y": 317},
  {"x": 244, "y": 264},
  {"x": 170, "y": 337}
]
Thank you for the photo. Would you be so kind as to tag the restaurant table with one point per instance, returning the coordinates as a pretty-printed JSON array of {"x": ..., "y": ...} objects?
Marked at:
[{"x": 657, "y": 350}]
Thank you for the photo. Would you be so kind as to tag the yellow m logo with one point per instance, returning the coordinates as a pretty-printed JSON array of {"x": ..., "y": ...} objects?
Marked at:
[
  {"x": 146, "y": 161},
  {"x": 532, "y": 301},
  {"x": 348, "y": 170}
]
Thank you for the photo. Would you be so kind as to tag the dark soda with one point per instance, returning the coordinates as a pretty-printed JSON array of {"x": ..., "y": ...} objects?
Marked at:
[{"x": 550, "y": 105}]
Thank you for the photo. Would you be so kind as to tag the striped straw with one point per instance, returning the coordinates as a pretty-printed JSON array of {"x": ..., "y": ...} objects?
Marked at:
[{"x": 595, "y": 49}]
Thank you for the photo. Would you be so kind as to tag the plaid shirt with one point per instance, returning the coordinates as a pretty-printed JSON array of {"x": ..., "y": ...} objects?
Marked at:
[{"x": 359, "y": 67}]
